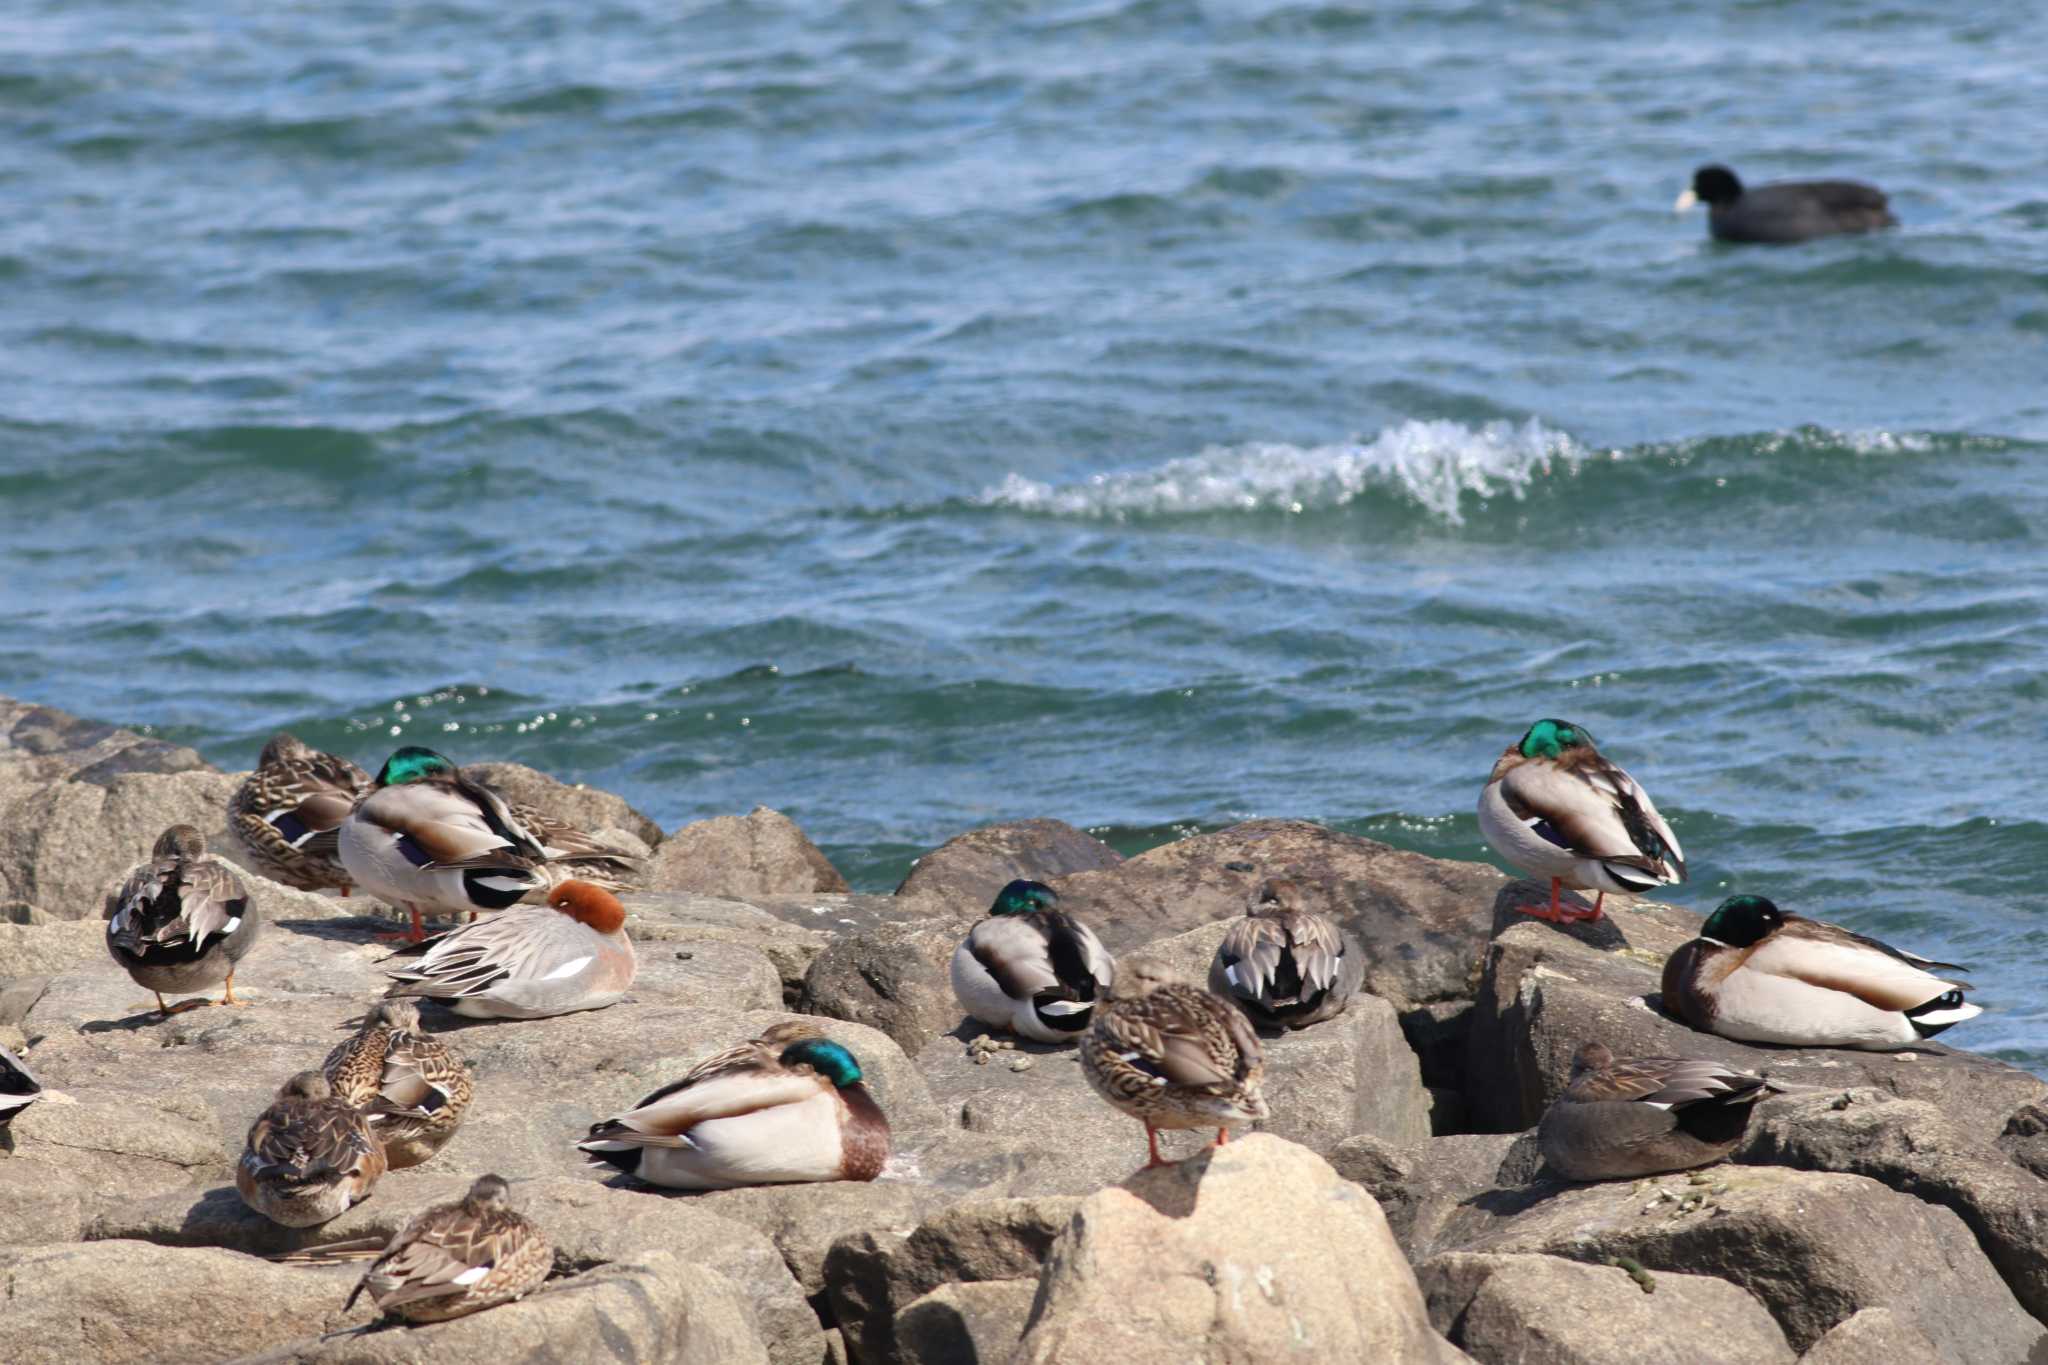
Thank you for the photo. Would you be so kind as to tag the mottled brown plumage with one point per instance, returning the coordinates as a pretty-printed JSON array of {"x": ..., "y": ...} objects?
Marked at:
[
  {"x": 181, "y": 921},
  {"x": 1173, "y": 1055},
  {"x": 288, "y": 813},
  {"x": 308, "y": 1156},
  {"x": 1618, "y": 1119},
  {"x": 414, "y": 1087},
  {"x": 1285, "y": 965},
  {"x": 459, "y": 1258}
]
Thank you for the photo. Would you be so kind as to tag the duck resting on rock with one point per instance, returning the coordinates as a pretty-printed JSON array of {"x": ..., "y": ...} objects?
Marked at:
[
  {"x": 181, "y": 921},
  {"x": 414, "y": 1087},
  {"x": 1617, "y": 1120},
  {"x": 459, "y": 1258},
  {"x": 1556, "y": 808},
  {"x": 1030, "y": 968},
  {"x": 1286, "y": 965},
  {"x": 1759, "y": 974},
  {"x": 528, "y": 962},
  {"x": 309, "y": 1156},
  {"x": 786, "y": 1107},
  {"x": 288, "y": 813}
]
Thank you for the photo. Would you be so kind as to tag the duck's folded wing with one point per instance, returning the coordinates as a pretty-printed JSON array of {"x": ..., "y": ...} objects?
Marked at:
[
  {"x": 664, "y": 1118},
  {"x": 1595, "y": 810},
  {"x": 1666, "y": 1082},
  {"x": 1317, "y": 949},
  {"x": 528, "y": 943},
  {"x": 439, "y": 1260},
  {"x": 1251, "y": 953},
  {"x": 437, "y": 826},
  {"x": 1881, "y": 979},
  {"x": 1015, "y": 953},
  {"x": 212, "y": 901}
]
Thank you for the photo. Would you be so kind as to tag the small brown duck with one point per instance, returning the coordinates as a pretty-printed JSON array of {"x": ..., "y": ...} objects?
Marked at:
[
  {"x": 1617, "y": 1120},
  {"x": 1284, "y": 965},
  {"x": 309, "y": 1156},
  {"x": 459, "y": 1258},
  {"x": 1173, "y": 1055},
  {"x": 181, "y": 921},
  {"x": 288, "y": 813},
  {"x": 414, "y": 1087}
]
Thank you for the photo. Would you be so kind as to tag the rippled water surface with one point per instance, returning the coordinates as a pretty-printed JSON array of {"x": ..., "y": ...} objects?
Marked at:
[{"x": 1148, "y": 414}]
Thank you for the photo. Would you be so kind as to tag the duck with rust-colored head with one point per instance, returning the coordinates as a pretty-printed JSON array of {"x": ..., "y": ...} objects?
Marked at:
[
  {"x": 1030, "y": 968},
  {"x": 181, "y": 921},
  {"x": 1556, "y": 808},
  {"x": 1759, "y": 974},
  {"x": 528, "y": 962},
  {"x": 787, "y": 1107}
]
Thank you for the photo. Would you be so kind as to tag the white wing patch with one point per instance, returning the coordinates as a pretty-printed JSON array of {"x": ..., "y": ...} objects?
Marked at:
[{"x": 569, "y": 968}]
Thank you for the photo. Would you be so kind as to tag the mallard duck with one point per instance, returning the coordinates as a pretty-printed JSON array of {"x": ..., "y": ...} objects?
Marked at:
[
  {"x": 1029, "y": 968},
  {"x": 1554, "y": 807},
  {"x": 414, "y": 1087},
  {"x": 288, "y": 813},
  {"x": 459, "y": 1258},
  {"x": 1620, "y": 1119},
  {"x": 309, "y": 1156},
  {"x": 19, "y": 1087},
  {"x": 181, "y": 921},
  {"x": 787, "y": 1107},
  {"x": 1173, "y": 1055},
  {"x": 1284, "y": 965},
  {"x": 573, "y": 855},
  {"x": 1761, "y": 975},
  {"x": 528, "y": 962},
  {"x": 1784, "y": 210}
]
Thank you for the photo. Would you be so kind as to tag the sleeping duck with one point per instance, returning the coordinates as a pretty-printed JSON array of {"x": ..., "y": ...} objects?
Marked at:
[
  {"x": 1617, "y": 1120},
  {"x": 1761, "y": 975},
  {"x": 309, "y": 1156},
  {"x": 181, "y": 921},
  {"x": 1286, "y": 965},
  {"x": 458, "y": 1258},
  {"x": 288, "y": 813},
  {"x": 1030, "y": 968}
]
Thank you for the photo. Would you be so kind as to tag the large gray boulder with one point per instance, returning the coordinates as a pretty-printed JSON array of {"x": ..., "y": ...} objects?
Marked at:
[
  {"x": 739, "y": 857},
  {"x": 1253, "y": 1252},
  {"x": 1812, "y": 1247},
  {"x": 1871, "y": 1334},
  {"x": 63, "y": 846},
  {"x": 958, "y": 880},
  {"x": 40, "y": 745},
  {"x": 1542, "y": 1310},
  {"x": 1547, "y": 988},
  {"x": 962, "y": 1324},
  {"x": 1422, "y": 1185},
  {"x": 888, "y": 979}
]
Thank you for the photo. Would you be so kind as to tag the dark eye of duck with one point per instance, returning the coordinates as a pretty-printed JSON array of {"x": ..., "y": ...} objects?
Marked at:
[
  {"x": 1740, "y": 921},
  {"x": 411, "y": 764},
  {"x": 1022, "y": 898},
  {"x": 1549, "y": 738},
  {"x": 825, "y": 1057}
]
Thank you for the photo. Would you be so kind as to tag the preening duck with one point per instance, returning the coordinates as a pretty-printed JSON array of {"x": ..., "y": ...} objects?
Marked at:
[
  {"x": 1285, "y": 965},
  {"x": 1173, "y": 1055},
  {"x": 528, "y": 962},
  {"x": 1761, "y": 975},
  {"x": 459, "y": 1258},
  {"x": 414, "y": 1087},
  {"x": 1031, "y": 968},
  {"x": 288, "y": 813},
  {"x": 1555, "y": 807},
  {"x": 1620, "y": 1119},
  {"x": 309, "y": 1156},
  {"x": 788, "y": 1106},
  {"x": 181, "y": 921}
]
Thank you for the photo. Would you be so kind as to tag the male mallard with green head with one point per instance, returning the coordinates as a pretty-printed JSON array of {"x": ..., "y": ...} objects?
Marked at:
[
  {"x": 1761, "y": 975},
  {"x": 1030, "y": 968},
  {"x": 459, "y": 1258},
  {"x": 787, "y": 1107},
  {"x": 1555, "y": 807},
  {"x": 1644, "y": 1115},
  {"x": 181, "y": 921},
  {"x": 1172, "y": 1055}
]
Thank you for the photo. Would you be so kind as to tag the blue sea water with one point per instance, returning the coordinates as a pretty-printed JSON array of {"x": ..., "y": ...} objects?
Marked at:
[{"x": 1149, "y": 414}]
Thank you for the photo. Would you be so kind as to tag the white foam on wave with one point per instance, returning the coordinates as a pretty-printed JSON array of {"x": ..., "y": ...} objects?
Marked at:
[{"x": 1435, "y": 463}]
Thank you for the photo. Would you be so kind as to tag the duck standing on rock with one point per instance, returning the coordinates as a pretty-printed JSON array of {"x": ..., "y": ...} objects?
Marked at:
[
  {"x": 1030, "y": 968},
  {"x": 414, "y": 1087},
  {"x": 1761, "y": 975},
  {"x": 1172, "y": 1055},
  {"x": 1284, "y": 965},
  {"x": 309, "y": 1156},
  {"x": 1617, "y": 1120},
  {"x": 428, "y": 839},
  {"x": 459, "y": 1258},
  {"x": 529, "y": 962},
  {"x": 1555, "y": 807},
  {"x": 787, "y": 1107},
  {"x": 181, "y": 921},
  {"x": 288, "y": 813}
]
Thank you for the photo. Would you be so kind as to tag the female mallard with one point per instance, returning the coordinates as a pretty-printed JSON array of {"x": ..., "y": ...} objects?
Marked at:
[
  {"x": 1554, "y": 807},
  {"x": 529, "y": 962},
  {"x": 1761, "y": 975},
  {"x": 1620, "y": 1119},
  {"x": 19, "y": 1087},
  {"x": 752, "y": 1115},
  {"x": 573, "y": 855},
  {"x": 459, "y": 1258},
  {"x": 1173, "y": 1055},
  {"x": 181, "y": 921},
  {"x": 414, "y": 1087},
  {"x": 309, "y": 1156},
  {"x": 288, "y": 813},
  {"x": 1284, "y": 965},
  {"x": 1029, "y": 968}
]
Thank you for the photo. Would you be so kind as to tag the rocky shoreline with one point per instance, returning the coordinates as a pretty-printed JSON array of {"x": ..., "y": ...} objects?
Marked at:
[{"x": 1392, "y": 1209}]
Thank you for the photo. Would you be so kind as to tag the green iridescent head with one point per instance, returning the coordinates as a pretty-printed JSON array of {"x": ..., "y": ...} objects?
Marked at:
[
  {"x": 1023, "y": 898},
  {"x": 1549, "y": 738},
  {"x": 1740, "y": 921},
  {"x": 412, "y": 763},
  {"x": 825, "y": 1057}
]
